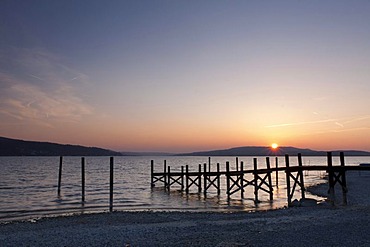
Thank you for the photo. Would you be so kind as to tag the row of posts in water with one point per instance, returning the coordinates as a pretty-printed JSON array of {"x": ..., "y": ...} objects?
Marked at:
[
  {"x": 236, "y": 181},
  {"x": 111, "y": 172}
]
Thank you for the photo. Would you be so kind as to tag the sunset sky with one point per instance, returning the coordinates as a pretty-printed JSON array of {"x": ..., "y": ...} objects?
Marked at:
[{"x": 183, "y": 76}]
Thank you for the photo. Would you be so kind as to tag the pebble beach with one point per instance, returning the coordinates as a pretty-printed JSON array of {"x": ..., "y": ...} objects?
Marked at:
[{"x": 320, "y": 225}]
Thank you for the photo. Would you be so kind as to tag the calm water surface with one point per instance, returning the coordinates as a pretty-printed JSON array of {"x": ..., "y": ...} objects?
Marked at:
[{"x": 28, "y": 185}]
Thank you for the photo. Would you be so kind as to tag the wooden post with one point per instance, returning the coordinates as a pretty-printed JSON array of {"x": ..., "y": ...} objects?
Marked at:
[
  {"x": 241, "y": 179},
  {"x": 205, "y": 179},
  {"x": 255, "y": 167},
  {"x": 164, "y": 174},
  {"x": 60, "y": 174},
  {"x": 151, "y": 173},
  {"x": 331, "y": 178},
  {"x": 300, "y": 172},
  {"x": 228, "y": 179},
  {"x": 209, "y": 164},
  {"x": 200, "y": 179},
  {"x": 287, "y": 172},
  {"x": 237, "y": 163},
  {"x": 168, "y": 178},
  {"x": 269, "y": 177},
  {"x": 218, "y": 179},
  {"x": 277, "y": 172},
  {"x": 111, "y": 186},
  {"x": 187, "y": 179},
  {"x": 83, "y": 178},
  {"x": 344, "y": 181},
  {"x": 182, "y": 178}
]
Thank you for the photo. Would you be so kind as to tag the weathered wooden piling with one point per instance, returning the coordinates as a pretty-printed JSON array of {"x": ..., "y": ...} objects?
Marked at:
[
  {"x": 269, "y": 178},
  {"x": 331, "y": 178},
  {"x": 199, "y": 178},
  {"x": 165, "y": 174},
  {"x": 228, "y": 179},
  {"x": 168, "y": 187},
  {"x": 300, "y": 174},
  {"x": 187, "y": 179},
  {"x": 255, "y": 168},
  {"x": 83, "y": 179},
  {"x": 205, "y": 179},
  {"x": 209, "y": 164},
  {"x": 60, "y": 174},
  {"x": 287, "y": 172},
  {"x": 242, "y": 179},
  {"x": 182, "y": 178},
  {"x": 218, "y": 179},
  {"x": 111, "y": 185},
  {"x": 152, "y": 173},
  {"x": 277, "y": 171},
  {"x": 344, "y": 181}
]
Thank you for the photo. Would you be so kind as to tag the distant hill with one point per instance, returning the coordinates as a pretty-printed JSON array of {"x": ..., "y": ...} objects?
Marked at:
[
  {"x": 267, "y": 151},
  {"x": 13, "y": 147},
  {"x": 146, "y": 154}
]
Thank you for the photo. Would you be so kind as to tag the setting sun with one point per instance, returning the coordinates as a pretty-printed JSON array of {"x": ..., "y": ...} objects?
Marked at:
[{"x": 274, "y": 146}]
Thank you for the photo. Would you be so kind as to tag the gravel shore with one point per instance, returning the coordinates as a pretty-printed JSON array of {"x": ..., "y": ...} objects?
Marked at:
[{"x": 321, "y": 225}]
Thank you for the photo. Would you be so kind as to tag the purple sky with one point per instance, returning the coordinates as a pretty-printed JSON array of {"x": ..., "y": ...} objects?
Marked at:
[{"x": 186, "y": 75}]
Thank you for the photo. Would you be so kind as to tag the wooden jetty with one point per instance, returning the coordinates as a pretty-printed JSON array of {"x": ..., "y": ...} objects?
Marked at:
[
  {"x": 259, "y": 179},
  {"x": 237, "y": 179}
]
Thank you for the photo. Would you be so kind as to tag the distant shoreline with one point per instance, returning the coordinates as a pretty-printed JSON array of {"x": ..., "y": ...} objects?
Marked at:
[{"x": 15, "y": 147}]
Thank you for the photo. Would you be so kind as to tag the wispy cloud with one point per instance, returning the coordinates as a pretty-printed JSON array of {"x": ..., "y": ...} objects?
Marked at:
[
  {"x": 339, "y": 124},
  {"x": 357, "y": 119},
  {"x": 339, "y": 130},
  {"x": 39, "y": 89},
  {"x": 301, "y": 123},
  {"x": 348, "y": 124}
]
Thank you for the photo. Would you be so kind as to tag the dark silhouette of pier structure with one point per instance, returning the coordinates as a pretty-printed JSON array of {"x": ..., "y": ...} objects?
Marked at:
[
  {"x": 260, "y": 179},
  {"x": 236, "y": 180}
]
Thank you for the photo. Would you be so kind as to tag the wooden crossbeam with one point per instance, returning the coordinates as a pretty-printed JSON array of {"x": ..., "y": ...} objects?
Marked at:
[
  {"x": 259, "y": 182},
  {"x": 193, "y": 181},
  {"x": 263, "y": 182},
  {"x": 210, "y": 178},
  {"x": 248, "y": 182},
  {"x": 175, "y": 180},
  {"x": 235, "y": 183},
  {"x": 337, "y": 178},
  {"x": 296, "y": 182},
  {"x": 196, "y": 181},
  {"x": 155, "y": 179},
  {"x": 212, "y": 182}
]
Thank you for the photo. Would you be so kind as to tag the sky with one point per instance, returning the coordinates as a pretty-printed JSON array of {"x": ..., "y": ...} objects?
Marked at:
[{"x": 181, "y": 76}]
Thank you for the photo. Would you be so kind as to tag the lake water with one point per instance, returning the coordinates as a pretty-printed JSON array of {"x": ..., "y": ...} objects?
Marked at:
[{"x": 28, "y": 185}]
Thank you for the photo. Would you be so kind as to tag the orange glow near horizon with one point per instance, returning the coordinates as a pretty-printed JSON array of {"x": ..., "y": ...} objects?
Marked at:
[
  {"x": 186, "y": 88},
  {"x": 274, "y": 146}
]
